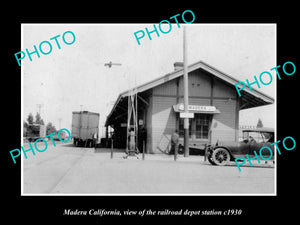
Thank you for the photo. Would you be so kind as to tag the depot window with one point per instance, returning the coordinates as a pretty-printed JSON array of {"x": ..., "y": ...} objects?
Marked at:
[{"x": 198, "y": 126}]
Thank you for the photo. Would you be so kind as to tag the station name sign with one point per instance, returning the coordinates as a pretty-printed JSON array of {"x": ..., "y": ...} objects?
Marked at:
[{"x": 193, "y": 108}]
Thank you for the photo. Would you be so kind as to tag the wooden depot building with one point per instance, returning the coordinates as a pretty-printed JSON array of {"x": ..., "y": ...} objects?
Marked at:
[{"x": 212, "y": 98}]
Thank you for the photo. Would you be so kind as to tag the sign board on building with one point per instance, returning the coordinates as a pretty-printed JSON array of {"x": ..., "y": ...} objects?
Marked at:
[
  {"x": 247, "y": 127},
  {"x": 186, "y": 115},
  {"x": 198, "y": 108}
]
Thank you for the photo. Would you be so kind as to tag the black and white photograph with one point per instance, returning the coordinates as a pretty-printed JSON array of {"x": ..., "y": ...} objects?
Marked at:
[
  {"x": 104, "y": 109},
  {"x": 135, "y": 114}
]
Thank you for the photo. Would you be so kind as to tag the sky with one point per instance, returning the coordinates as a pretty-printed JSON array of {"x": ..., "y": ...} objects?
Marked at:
[{"x": 74, "y": 77}]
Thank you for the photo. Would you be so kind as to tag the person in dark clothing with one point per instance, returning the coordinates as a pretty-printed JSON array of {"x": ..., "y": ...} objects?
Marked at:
[
  {"x": 142, "y": 139},
  {"x": 131, "y": 140},
  {"x": 174, "y": 142},
  {"x": 131, "y": 149}
]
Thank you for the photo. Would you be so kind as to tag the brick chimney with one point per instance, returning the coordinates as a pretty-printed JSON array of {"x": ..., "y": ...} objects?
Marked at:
[{"x": 178, "y": 66}]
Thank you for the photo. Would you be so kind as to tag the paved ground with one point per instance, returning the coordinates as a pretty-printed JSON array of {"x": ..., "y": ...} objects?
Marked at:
[{"x": 65, "y": 169}]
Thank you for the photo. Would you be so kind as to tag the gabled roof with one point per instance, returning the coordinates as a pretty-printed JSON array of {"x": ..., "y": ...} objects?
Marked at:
[{"x": 248, "y": 99}]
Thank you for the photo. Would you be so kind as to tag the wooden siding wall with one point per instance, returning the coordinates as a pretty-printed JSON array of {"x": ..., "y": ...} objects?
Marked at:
[
  {"x": 166, "y": 89},
  {"x": 163, "y": 118},
  {"x": 199, "y": 86},
  {"x": 221, "y": 90},
  {"x": 223, "y": 124}
]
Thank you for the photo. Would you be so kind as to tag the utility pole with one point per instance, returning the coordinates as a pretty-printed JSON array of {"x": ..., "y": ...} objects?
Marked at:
[
  {"x": 186, "y": 95},
  {"x": 39, "y": 107}
]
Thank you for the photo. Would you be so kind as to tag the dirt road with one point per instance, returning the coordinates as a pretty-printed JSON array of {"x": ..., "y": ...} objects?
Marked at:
[{"x": 65, "y": 169}]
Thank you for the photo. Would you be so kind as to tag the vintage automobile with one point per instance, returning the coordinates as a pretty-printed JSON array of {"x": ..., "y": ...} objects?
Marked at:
[{"x": 253, "y": 140}]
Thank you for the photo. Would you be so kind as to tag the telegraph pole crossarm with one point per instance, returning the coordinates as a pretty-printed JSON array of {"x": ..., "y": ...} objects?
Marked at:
[{"x": 112, "y": 64}]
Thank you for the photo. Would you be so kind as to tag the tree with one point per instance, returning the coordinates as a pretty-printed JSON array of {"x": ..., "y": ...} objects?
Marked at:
[
  {"x": 30, "y": 118},
  {"x": 50, "y": 128},
  {"x": 259, "y": 123},
  {"x": 38, "y": 119},
  {"x": 25, "y": 127}
]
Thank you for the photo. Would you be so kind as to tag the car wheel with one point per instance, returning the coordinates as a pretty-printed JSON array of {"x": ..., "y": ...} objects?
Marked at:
[
  {"x": 209, "y": 158},
  {"x": 220, "y": 156}
]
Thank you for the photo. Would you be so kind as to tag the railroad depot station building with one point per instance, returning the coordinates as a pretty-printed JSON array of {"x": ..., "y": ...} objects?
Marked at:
[{"x": 212, "y": 98}]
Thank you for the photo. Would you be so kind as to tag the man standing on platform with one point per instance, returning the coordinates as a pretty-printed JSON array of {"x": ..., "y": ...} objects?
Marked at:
[{"x": 174, "y": 143}]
